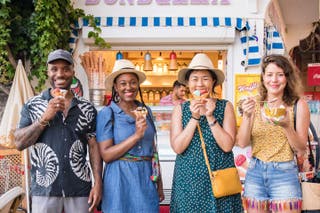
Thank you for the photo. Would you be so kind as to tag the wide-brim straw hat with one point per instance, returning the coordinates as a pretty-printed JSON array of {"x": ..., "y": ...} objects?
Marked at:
[
  {"x": 122, "y": 66},
  {"x": 201, "y": 62}
]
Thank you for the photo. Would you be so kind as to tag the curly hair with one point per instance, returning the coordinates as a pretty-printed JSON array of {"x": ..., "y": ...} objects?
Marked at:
[{"x": 293, "y": 90}]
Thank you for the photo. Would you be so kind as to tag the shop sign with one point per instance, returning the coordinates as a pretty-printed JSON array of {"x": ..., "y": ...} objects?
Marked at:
[
  {"x": 314, "y": 74},
  {"x": 246, "y": 85},
  {"x": 160, "y": 2}
]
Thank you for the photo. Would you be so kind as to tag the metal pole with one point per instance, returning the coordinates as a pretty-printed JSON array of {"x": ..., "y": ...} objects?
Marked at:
[{"x": 26, "y": 175}]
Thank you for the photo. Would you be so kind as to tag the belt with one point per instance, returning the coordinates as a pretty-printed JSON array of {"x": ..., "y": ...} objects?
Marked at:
[{"x": 130, "y": 157}]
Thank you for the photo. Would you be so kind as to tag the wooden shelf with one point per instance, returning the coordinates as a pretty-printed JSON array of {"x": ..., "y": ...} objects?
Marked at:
[
  {"x": 156, "y": 87},
  {"x": 159, "y": 80},
  {"x": 162, "y": 74}
]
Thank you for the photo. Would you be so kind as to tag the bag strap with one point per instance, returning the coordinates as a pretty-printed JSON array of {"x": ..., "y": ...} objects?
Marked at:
[
  {"x": 156, "y": 170},
  {"x": 310, "y": 156},
  {"x": 203, "y": 146},
  {"x": 315, "y": 138}
]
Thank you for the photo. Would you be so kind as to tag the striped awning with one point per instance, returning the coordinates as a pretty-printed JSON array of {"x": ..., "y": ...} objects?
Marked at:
[
  {"x": 251, "y": 51},
  {"x": 274, "y": 43},
  {"x": 238, "y": 23}
]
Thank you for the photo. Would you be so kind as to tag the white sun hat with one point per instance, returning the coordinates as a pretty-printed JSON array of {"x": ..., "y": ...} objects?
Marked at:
[
  {"x": 201, "y": 62},
  {"x": 122, "y": 66}
]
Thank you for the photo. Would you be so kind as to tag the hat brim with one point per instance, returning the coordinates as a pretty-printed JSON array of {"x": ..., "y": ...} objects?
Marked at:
[
  {"x": 183, "y": 72},
  {"x": 110, "y": 78}
]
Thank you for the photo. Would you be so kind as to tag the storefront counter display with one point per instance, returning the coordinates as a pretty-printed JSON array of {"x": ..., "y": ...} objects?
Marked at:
[{"x": 162, "y": 120}]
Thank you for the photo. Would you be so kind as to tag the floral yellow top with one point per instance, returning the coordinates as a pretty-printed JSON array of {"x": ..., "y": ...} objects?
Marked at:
[{"x": 269, "y": 142}]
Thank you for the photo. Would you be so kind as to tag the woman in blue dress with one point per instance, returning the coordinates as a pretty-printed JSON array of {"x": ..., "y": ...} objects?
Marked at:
[
  {"x": 191, "y": 189},
  {"x": 126, "y": 143}
]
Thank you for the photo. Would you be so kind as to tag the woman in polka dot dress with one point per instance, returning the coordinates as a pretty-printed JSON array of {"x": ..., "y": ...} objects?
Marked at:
[{"x": 191, "y": 190}]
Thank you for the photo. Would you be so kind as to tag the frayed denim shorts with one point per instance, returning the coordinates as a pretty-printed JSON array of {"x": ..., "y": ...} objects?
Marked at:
[{"x": 272, "y": 181}]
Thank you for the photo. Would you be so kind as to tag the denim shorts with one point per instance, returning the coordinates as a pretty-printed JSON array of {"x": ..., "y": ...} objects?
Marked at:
[{"x": 272, "y": 181}]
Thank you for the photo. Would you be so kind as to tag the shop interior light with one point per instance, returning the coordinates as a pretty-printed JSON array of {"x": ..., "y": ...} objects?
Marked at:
[
  {"x": 146, "y": 83},
  {"x": 220, "y": 61},
  {"x": 119, "y": 56},
  {"x": 147, "y": 62},
  {"x": 173, "y": 61},
  {"x": 137, "y": 67},
  {"x": 159, "y": 58}
]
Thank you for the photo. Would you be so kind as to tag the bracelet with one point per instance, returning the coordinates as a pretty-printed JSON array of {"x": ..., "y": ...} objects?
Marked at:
[
  {"x": 42, "y": 122},
  {"x": 197, "y": 119},
  {"x": 213, "y": 122}
]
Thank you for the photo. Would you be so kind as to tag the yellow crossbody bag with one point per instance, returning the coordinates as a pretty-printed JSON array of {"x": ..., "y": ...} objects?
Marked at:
[{"x": 224, "y": 182}]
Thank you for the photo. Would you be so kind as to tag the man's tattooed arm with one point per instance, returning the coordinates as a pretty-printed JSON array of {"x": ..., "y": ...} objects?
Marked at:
[{"x": 27, "y": 136}]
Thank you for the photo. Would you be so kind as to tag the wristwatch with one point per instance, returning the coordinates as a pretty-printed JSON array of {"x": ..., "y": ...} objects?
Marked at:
[{"x": 213, "y": 122}]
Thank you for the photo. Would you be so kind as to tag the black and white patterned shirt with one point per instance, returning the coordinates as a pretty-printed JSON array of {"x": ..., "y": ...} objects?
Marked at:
[{"x": 59, "y": 166}]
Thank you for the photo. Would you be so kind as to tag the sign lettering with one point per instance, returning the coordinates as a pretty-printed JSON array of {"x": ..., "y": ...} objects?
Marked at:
[
  {"x": 314, "y": 74},
  {"x": 248, "y": 88},
  {"x": 159, "y": 2}
]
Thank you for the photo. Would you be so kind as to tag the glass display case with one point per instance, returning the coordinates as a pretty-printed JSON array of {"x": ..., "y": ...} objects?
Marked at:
[{"x": 162, "y": 120}]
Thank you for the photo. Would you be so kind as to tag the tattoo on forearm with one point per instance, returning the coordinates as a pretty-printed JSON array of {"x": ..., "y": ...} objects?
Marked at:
[{"x": 29, "y": 135}]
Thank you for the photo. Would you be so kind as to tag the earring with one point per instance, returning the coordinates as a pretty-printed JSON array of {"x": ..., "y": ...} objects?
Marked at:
[{"x": 117, "y": 97}]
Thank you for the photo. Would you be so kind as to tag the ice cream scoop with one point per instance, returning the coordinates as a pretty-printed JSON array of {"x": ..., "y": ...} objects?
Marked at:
[
  {"x": 200, "y": 94},
  {"x": 57, "y": 92},
  {"x": 276, "y": 113},
  {"x": 140, "y": 111}
]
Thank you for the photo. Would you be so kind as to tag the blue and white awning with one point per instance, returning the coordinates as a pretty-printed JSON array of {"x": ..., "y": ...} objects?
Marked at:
[
  {"x": 251, "y": 51},
  {"x": 122, "y": 21},
  {"x": 274, "y": 43}
]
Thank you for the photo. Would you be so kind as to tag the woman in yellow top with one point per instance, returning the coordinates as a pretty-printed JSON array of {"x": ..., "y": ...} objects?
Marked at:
[{"x": 272, "y": 182}]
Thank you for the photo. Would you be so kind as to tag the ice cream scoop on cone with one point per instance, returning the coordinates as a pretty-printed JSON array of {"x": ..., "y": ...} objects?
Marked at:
[
  {"x": 140, "y": 111},
  {"x": 200, "y": 94},
  {"x": 57, "y": 92}
]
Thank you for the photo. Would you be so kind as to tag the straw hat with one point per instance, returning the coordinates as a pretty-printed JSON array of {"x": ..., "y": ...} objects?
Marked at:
[
  {"x": 201, "y": 62},
  {"x": 122, "y": 66}
]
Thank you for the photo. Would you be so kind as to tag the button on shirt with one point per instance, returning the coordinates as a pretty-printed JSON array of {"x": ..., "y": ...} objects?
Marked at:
[{"x": 58, "y": 158}]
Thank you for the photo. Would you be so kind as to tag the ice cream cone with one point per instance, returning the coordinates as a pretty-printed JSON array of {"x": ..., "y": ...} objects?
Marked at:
[
  {"x": 200, "y": 94},
  {"x": 57, "y": 92},
  {"x": 140, "y": 111}
]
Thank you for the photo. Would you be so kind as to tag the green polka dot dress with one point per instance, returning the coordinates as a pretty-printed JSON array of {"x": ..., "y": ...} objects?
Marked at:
[{"x": 191, "y": 187}]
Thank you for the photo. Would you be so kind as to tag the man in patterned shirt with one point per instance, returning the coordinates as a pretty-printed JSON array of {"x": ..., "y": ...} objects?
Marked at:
[
  {"x": 177, "y": 96},
  {"x": 58, "y": 128}
]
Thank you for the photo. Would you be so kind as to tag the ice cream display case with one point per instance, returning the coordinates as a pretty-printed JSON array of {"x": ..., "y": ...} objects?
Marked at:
[{"x": 162, "y": 120}]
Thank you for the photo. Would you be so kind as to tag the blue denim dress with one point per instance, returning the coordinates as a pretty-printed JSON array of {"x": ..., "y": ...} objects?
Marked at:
[{"x": 127, "y": 186}]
